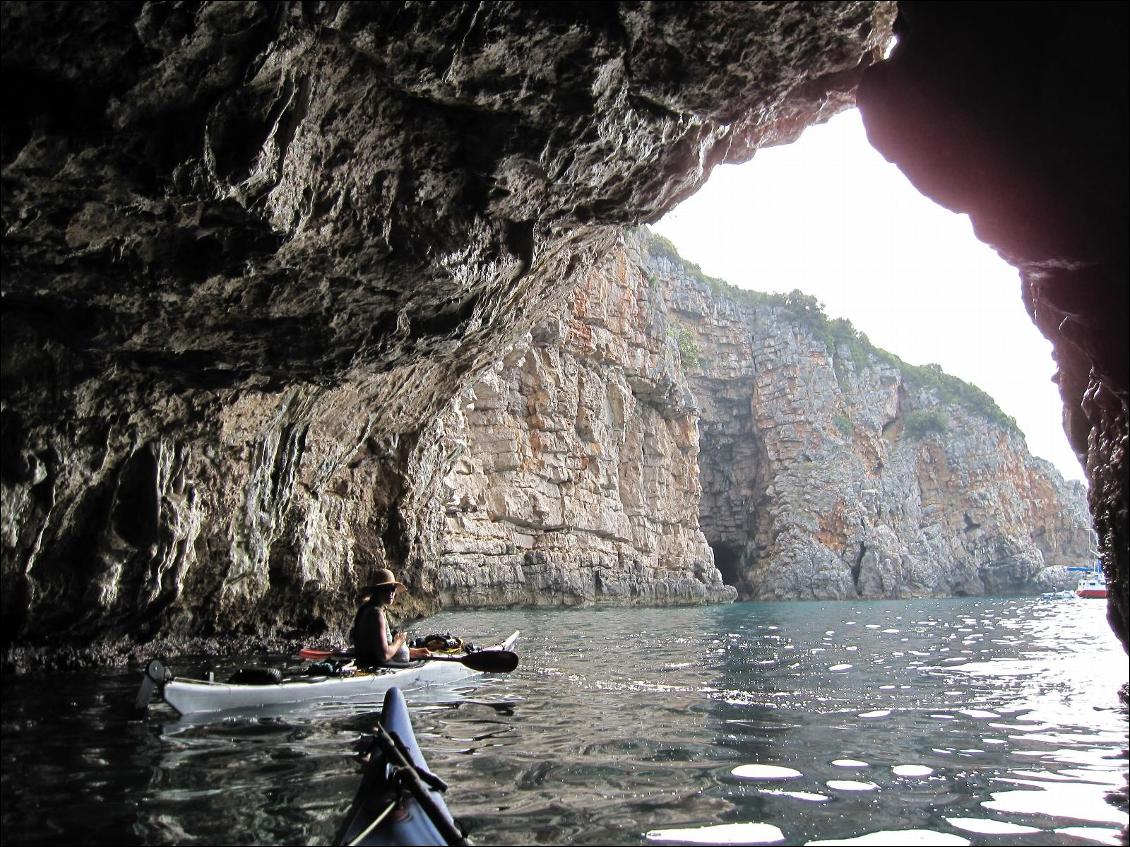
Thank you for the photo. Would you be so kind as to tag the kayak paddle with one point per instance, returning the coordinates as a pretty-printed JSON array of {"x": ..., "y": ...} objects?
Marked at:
[{"x": 484, "y": 661}]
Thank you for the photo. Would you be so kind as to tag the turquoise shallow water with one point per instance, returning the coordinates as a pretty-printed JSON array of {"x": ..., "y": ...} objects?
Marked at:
[{"x": 985, "y": 721}]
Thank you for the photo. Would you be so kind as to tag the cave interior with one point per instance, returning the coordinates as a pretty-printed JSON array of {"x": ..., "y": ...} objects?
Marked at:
[{"x": 320, "y": 204}]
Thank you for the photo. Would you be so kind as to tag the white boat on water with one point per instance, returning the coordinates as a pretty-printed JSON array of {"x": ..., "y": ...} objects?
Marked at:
[
  {"x": 194, "y": 696},
  {"x": 1092, "y": 587}
]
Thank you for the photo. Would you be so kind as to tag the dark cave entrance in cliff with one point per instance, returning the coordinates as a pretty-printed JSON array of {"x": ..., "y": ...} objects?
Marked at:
[
  {"x": 728, "y": 560},
  {"x": 733, "y": 464}
]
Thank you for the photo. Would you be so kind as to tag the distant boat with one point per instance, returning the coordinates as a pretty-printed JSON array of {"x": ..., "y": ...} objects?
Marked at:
[{"x": 1093, "y": 585}]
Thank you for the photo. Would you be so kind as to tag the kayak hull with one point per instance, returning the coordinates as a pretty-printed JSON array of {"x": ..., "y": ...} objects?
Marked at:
[
  {"x": 383, "y": 813},
  {"x": 1091, "y": 593},
  {"x": 195, "y": 696}
]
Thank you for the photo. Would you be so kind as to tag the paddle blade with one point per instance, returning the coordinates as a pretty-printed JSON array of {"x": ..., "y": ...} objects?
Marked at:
[{"x": 491, "y": 661}]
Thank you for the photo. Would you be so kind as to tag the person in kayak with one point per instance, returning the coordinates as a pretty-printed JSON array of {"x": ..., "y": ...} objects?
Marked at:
[{"x": 373, "y": 641}]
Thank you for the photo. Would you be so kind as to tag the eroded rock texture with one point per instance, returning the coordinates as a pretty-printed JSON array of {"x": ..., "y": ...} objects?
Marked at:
[
  {"x": 831, "y": 469},
  {"x": 664, "y": 410},
  {"x": 252, "y": 250},
  {"x": 1018, "y": 116},
  {"x": 577, "y": 478}
]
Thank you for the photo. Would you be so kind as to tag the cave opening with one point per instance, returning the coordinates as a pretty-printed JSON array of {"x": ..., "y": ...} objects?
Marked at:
[
  {"x": 728, "y": 560},
  {"x": 137, "y": 506},
  {"x": 829, "y": 218},
  {"x": 455, "y": 179},
  {"x": 853, "y": 250},
  {"x": 225, "y": 319}
]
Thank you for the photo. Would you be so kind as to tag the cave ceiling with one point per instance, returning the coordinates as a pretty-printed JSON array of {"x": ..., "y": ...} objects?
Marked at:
[
  {"x": 252, "y": 250},
  {"x": 207, "y": 201}
]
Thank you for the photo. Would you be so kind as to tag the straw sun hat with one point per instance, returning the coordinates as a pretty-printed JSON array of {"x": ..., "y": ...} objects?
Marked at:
[{"x": 382, "y": 578}]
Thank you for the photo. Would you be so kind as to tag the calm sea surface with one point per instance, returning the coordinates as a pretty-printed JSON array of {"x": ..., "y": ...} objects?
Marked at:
[{"x": 985, "y": 721}]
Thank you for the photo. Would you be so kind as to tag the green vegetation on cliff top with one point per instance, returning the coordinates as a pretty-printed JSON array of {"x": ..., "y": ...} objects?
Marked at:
[{"x": 804, "y": 310}]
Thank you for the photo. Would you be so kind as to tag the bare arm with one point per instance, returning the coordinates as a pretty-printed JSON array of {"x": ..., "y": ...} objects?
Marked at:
[{"x": 388, "y": 649}]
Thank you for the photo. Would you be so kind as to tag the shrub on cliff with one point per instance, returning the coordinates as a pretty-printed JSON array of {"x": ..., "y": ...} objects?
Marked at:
[
  {"x": 951, "y": 390},
  {"x": 922, "y": 422},
  {"x": 690, "y": 354},
  {"x": 839, "y": 335}
]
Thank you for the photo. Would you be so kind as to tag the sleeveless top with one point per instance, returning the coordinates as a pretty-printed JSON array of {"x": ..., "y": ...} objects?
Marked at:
[{"x": 366, "y": 636}]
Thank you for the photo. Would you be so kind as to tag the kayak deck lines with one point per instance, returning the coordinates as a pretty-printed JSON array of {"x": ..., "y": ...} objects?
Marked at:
[{"x": 400, "y": 801}]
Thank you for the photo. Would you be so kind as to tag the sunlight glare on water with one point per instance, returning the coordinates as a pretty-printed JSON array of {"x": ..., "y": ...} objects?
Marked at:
[{"x": 706, "y": 725}]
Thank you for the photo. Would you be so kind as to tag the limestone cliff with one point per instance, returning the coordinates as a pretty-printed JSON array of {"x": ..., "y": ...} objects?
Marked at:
[
  {"x": 578, "y": 477},
  {"x": 828, "y": 468}
]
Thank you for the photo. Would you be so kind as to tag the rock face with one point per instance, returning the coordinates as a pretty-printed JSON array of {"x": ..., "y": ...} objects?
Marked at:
[
  {"x": 828, "y": 469},
  {"x": 578, "y": 475},
  {"x": 831, "y": 469},
  {"x": 252, "y": 251},
  {"x": 1027, "y": 133}
]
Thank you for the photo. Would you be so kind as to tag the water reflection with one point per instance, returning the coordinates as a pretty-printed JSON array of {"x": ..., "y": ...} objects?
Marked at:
[
  {"x": 866, "y": 696},
  {"x": 988, "y": 719}
]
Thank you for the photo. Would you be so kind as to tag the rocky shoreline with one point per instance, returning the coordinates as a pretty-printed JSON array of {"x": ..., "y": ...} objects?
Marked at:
[{"x": 128, "y": 653}]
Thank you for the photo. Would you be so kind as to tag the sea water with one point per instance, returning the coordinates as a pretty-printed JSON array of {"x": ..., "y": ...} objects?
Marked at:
[{"x": 977, "y": 720}]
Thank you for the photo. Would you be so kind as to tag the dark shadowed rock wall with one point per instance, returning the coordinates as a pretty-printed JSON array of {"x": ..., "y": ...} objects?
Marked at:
[
  {"x": 1017, "y": 114},
  {"x": 252, "y": 250}
]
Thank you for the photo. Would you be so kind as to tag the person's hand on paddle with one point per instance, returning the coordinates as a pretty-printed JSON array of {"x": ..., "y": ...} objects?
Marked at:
[{"x": 419, "y": 653}]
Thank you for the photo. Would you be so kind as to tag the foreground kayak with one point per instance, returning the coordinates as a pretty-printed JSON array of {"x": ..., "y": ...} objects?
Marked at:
[
  {"x": 400, "y": 801},
  {"x": 194, "y": 696}
]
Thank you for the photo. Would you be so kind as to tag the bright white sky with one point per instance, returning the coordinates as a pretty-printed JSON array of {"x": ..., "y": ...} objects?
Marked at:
[{"x": 830, "y": 216}]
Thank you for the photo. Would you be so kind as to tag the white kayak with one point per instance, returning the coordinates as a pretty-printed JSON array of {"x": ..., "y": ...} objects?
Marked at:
[{"x": 194, "y": 696}]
